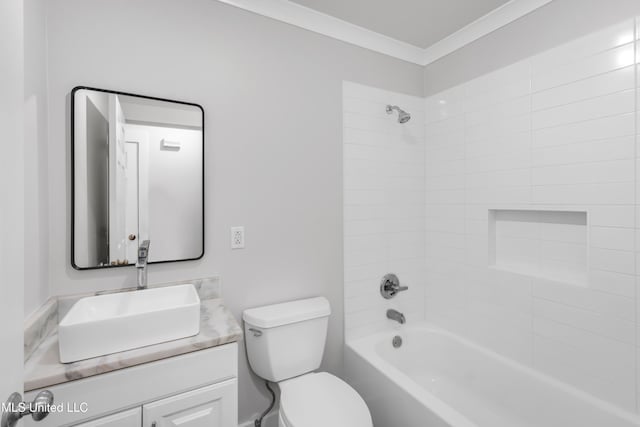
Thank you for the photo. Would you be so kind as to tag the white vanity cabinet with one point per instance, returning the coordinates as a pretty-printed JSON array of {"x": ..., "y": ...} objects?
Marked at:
[
  {"x": 212, "y": 406},
  {"x": 131, "y": 418},
  {"x": 198, "y": 389}
]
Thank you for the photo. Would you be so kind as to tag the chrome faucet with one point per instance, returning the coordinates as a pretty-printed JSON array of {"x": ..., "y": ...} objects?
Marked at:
[
  {"x": 396, "y": 315},
  {"x": 141, "y": 265},
  {"x": 390, "y": 286}
]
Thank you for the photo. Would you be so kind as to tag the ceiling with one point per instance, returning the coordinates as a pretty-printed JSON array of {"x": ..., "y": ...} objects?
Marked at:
[
  {"x": 418, "y": 22},
  {"x": 417, "y": 31}
]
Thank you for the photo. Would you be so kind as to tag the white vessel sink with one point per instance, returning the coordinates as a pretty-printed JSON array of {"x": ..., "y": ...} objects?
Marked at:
[{"x": 105, "y": 324}]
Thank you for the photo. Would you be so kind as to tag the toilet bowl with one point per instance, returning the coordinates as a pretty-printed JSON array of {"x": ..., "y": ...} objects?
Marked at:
[
  {"x": 319, "y": 400},
  {"x": 285, "y": 344}
]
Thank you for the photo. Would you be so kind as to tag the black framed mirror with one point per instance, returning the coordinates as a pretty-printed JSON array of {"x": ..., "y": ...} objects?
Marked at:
[{"x": 137, "y": 175}]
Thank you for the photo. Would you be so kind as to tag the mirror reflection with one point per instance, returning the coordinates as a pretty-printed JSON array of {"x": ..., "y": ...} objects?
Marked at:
[{"x": 137, "y": 175}]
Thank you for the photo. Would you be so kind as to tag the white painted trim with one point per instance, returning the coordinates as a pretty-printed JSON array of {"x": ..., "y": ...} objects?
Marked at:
[
  {"x": 484, "y": 25},
  {"x": 312, "y": 20}
]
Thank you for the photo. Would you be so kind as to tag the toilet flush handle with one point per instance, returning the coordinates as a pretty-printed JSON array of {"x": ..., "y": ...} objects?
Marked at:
[{"x": 256, "y": 332}]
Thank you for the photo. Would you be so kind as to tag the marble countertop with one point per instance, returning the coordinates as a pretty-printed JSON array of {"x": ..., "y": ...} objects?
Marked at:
[{"x": 43, "y": 368}]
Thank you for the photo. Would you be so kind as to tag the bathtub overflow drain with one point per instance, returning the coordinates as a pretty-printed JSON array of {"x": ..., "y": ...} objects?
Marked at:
[{"x": 397, "y": 341}]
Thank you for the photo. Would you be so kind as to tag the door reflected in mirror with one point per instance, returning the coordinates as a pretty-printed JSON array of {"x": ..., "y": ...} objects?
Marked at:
[{"x": 138, "y": 168}]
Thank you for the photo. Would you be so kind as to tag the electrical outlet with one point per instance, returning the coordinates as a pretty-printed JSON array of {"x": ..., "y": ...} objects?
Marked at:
[{"x": 237, "y": 237}]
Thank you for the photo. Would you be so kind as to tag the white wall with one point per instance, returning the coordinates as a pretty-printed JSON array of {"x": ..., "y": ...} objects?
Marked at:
[
  {"x": 384, "y": 206},
  {"x": 36, "y": 233},
  {"x": 273, "y": 128},
  {"x": 12, "y": 202},
  {"x": 555, "y": 132}
]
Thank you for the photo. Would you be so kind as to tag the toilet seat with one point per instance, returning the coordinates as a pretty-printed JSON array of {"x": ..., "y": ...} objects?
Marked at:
[{"x": 321, "y": 400}]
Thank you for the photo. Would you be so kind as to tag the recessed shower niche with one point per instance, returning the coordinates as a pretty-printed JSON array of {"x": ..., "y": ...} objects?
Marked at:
[{"x": 546, "y": 244}]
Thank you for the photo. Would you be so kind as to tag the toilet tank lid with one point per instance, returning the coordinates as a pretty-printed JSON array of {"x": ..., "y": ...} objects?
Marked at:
[{"x": 285, "y": 313}]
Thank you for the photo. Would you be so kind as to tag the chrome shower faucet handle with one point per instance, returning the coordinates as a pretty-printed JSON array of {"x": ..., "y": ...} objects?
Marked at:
[{"x": 390, "y": 286}]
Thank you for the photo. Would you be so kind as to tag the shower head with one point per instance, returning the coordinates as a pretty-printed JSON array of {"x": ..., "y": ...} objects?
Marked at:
[{"x": 403, "y": 116}]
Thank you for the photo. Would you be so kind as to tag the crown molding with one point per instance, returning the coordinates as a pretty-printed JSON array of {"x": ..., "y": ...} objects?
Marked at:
[
  {"x": 318, "y": 22},
  {"x": 482, "y": 26},
  {"x": 312, "y": 20}
]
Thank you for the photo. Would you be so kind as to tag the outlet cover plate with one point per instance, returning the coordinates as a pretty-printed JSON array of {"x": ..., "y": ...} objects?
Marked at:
[{"x": 237, "y": 237}]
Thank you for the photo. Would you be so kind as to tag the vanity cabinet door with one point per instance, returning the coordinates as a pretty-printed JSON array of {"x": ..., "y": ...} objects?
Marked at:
[
  {"x": 212, "y": 406},
  {"x": 132, "y": 418}
]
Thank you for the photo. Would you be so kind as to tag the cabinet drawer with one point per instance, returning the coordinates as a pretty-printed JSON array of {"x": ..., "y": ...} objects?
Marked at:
[
  {"x": 212, "y": 406},
  {"x": 132, "y": 418}
]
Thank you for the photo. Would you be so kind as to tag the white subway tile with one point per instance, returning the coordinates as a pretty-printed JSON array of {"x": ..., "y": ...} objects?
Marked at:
[
  {"x": 593, "y": 108},
  {"x": 613, "y": 216},
  {"x": 384, "y": 205},
  {"x": 576, "y": 194},
  {"x": 443, "y": 127},
  {"x": 454, "y": 167},
  {"x": 415, "y": 225},
  {"x": 586, "y": 46},
  {"x": 509, "y": 195},
  {"x": 593, "y": 87},
  {"x": 614, "y": 328},
  {"x": 499, "y": 128},
  {"x": 444, "y": 105},
  {"x": 598, "y": 351},
  {"x": 612, "y": 238},
  {"x": 612, "y": 282},
  {"x": 582, "y": 152},
  {"x": 499, "y": 112},
  {"x": 364, "y": 197},
  {"x": 555, "y": 132},
  {"x": 583, "y": 68},
  {"x": 612, "y": 260},
  {"x": 498, "y": 162},
  {"x": 445, "y": 224},
  {"x": 598, "y": 129},
  {"x": 601, "y": 172},
  {"x": 518, "y": 142},
  {"x": 445, "y": 182},
  {"x": 589, "y": 299},
  {"x": 504, "y": 178},
  {"x": 364, "y": 227},
  {"x": 363, "y": 212},
  {"x": 361, "y": 273},
  {"x": 448, "y": 253},
  {"x": 365, "y": 137}
]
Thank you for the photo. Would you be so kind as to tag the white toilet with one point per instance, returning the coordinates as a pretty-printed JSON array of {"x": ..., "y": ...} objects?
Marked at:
[{"x": 285, "y": 343}]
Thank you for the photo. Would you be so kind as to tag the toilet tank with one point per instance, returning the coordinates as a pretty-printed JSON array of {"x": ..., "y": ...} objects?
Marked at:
[{"x": 286, "y": 340}]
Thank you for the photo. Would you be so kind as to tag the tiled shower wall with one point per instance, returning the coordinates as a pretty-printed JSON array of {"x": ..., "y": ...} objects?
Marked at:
[
  {"x": 384, "y": 206},
  {"x": 531, "y": 212}
]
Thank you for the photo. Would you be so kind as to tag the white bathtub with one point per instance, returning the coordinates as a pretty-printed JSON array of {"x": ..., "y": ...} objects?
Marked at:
[{"x": 438, "y": 379}]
